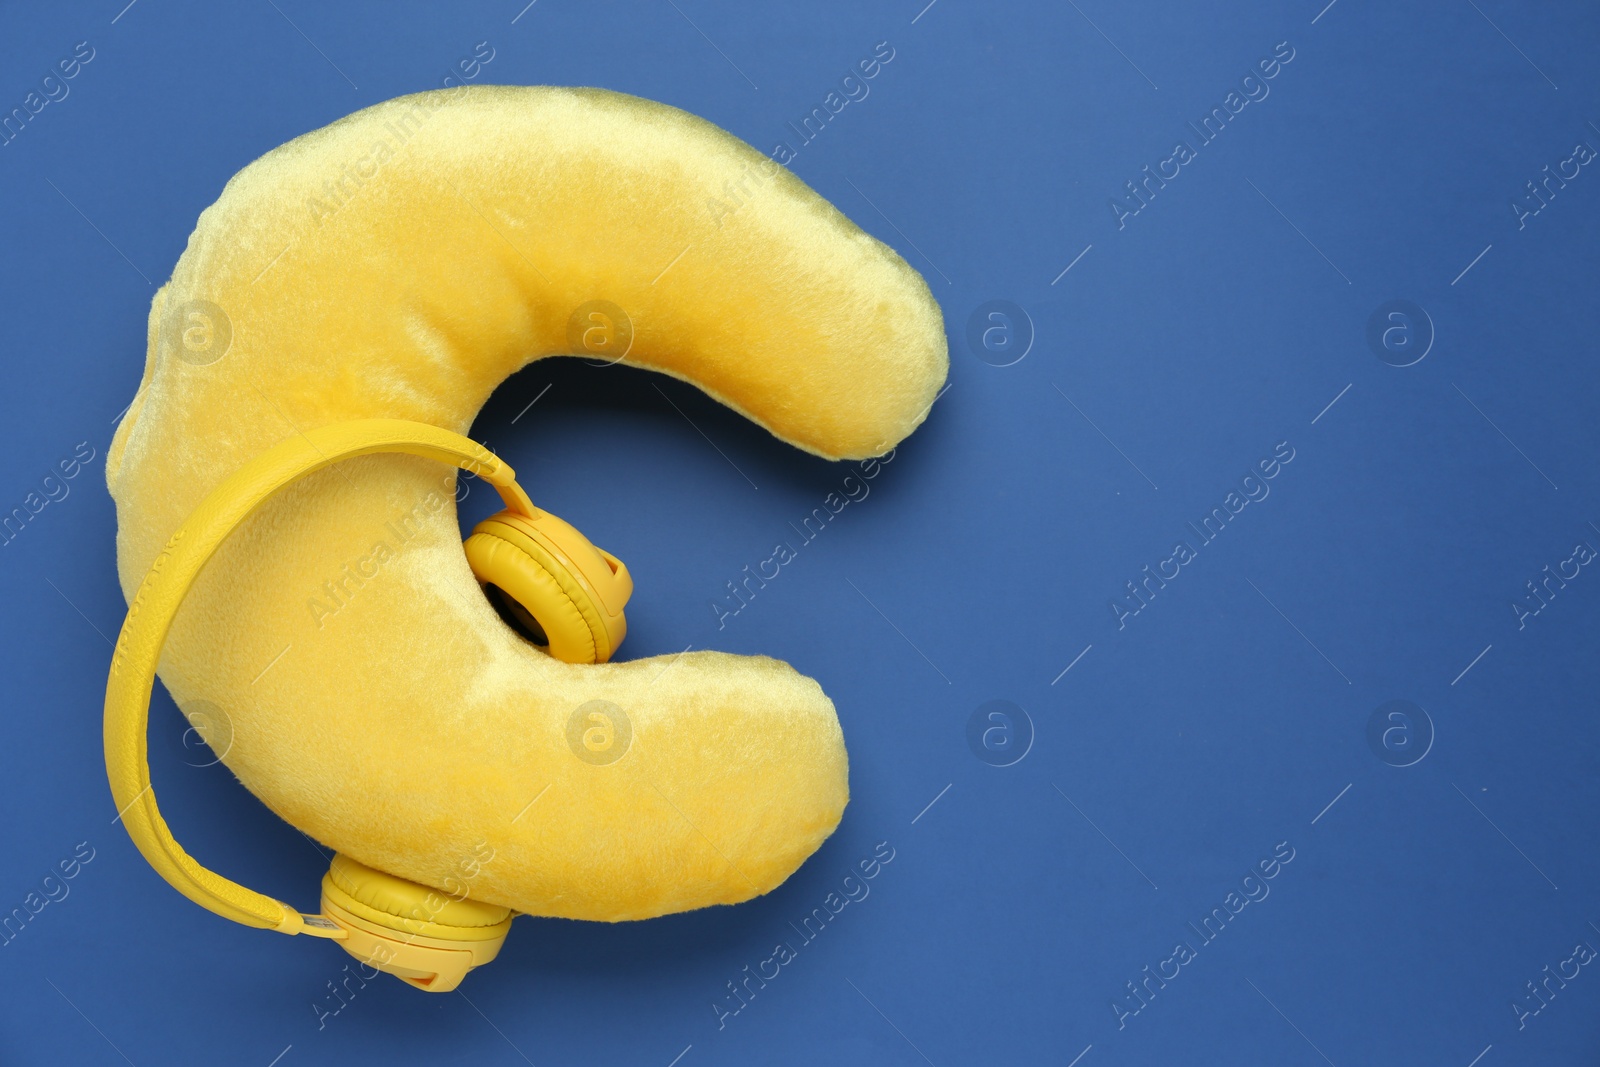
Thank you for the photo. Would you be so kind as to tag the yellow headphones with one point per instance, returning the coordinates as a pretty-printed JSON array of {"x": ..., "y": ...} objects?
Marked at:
[{"x": 544, "y": 578}]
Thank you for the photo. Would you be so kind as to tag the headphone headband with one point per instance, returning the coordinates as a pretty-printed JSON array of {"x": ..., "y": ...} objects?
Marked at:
[{"x": 156, "y": 603}]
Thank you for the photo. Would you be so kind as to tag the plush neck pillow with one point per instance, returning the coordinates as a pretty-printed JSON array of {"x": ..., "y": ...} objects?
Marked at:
[{"x": 401, "y": 263}]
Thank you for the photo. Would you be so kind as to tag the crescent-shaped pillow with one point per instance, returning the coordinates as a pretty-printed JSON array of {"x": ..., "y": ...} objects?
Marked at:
[{"x": 401, "y": 263}]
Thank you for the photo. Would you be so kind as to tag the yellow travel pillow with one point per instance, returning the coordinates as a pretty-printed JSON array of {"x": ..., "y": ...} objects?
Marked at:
[{"x": 400, "y": 264}]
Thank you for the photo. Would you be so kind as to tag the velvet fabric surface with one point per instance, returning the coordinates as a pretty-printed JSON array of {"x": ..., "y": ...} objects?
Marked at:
[{"x": 401, "y": 263}]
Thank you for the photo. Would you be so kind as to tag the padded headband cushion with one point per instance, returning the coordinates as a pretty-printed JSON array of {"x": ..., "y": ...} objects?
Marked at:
[{"x": 401, "y": 263}]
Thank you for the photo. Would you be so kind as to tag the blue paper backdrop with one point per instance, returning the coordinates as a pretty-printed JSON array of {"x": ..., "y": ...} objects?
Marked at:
[{"x": 1346, "y": 280}]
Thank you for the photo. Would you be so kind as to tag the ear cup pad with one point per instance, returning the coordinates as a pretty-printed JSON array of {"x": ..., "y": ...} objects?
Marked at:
[
  {"x": 396, "y": 904},
  {"x": 522, "y": 569}
]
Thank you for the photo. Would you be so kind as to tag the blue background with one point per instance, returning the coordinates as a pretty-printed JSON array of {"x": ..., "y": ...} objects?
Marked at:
[{"x": 1180, "y": 748}]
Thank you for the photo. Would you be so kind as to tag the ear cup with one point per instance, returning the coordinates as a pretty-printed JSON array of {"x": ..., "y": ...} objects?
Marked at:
[
  {"x": 525, "y": 584},
  {"x": 551, "y": 585},
  {"x": 426, "y": 937}
]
